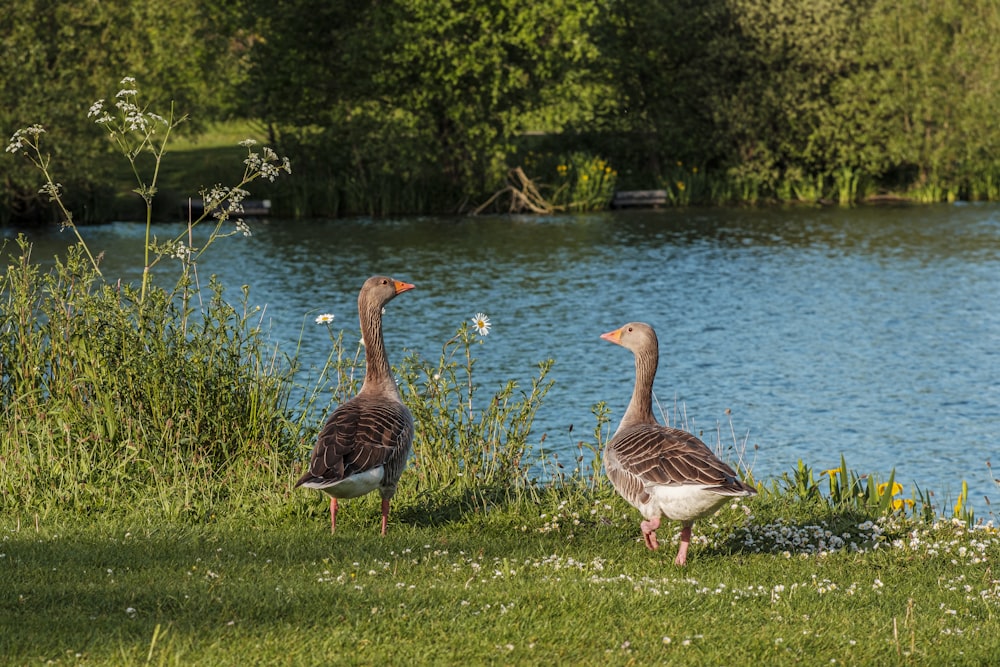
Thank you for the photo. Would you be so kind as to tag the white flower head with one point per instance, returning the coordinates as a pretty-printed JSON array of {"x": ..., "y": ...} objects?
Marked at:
[
  {"x": 24, "y": 136},
  {"x": 481, "y": 323},
  {"x": 53, "y": 190},
  {"x": 325, "y": 318},
  {"x": 182, "y": 252}
]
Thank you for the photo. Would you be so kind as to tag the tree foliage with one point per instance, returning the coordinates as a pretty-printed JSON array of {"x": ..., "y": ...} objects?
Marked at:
[
  {"x": 56, "y": 58},
  {"x": 424, "y": 105}
]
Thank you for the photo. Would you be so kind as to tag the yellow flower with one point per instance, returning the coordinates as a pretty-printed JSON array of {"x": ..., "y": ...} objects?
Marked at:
[
  {"x": 896, "y": 488},
  {"x": 680, "y": 186},
  {"x": 584, "y": 177},
  {"x": 900, "y": 503},
  {"x": 961, "y": 498},
  {"x": 832, "y": 472},
  {"x": 694, "y": 170}
]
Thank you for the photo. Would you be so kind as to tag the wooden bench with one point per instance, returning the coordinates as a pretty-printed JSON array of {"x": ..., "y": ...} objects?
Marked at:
[{"x": 639, "y": 198}]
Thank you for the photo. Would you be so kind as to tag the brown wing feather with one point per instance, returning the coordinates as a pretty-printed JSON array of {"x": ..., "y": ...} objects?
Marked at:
[
  {"x": 654, "y": 454},
  {"x": 361, "y": 435}
]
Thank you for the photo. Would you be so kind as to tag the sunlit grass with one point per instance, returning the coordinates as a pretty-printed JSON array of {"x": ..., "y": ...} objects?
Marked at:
[{"x": 562, "y": 580}]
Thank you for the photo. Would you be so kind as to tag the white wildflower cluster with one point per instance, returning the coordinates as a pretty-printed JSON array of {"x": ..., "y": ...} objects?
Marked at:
[
  {"x": 268, "y": 165},
  {"x": 565, "y": 516},
  {"x": 97, "y": 111},
  {"x": 131, "y": 117},
  {"x": 224, "y": 201},
  {"x": 242, "y": 227},
  {"x": 181, "y": 251},
  {"x": 27, "y": 136},
  {"x": 952, "y": 539},
  {"x": 52, "y": 190},
  {"x": 784, "y": 538}
]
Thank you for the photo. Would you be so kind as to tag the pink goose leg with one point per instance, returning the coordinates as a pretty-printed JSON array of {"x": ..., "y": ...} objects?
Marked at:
[
  {"x": 649, "y": 532},
  {"x": 682, "y": 552}
]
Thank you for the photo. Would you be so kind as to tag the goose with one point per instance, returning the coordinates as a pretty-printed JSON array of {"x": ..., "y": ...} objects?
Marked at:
[
  {"x": 367, "y": 439},
  {"x": 662, "y": 471}
]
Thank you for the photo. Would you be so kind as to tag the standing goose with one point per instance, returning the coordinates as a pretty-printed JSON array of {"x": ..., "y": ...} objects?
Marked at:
[
  {"x": 661, "y": 470},
  {"x": 366, "y": 441}
]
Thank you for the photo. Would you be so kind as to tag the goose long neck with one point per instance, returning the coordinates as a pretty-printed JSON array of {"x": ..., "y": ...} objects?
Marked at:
[
  {"x": 377, "y": 371},
  {"x": 640, "y": 408}
]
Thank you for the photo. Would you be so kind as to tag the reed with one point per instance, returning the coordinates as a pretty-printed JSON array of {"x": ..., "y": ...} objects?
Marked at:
[
  {"x": 584, "y": 182},
  {"x": 686, "y": 185}
]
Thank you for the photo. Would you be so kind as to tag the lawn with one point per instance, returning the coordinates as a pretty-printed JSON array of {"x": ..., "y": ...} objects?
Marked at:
[{"x": 548, "y": 582}]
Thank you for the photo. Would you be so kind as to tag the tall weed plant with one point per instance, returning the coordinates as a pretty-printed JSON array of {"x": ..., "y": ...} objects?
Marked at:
[
  {"x": 116, "y": 394},
  {"x": 471, "y": 447}
]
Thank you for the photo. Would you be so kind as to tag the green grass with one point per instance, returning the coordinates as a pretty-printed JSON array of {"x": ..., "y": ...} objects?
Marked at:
[{"x": 564, "y": 580}]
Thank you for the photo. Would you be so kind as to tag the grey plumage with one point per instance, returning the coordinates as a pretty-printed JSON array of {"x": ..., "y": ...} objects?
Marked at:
[
  {"x": 662, "y": 471},
  {"x": 366, "y": 441}
]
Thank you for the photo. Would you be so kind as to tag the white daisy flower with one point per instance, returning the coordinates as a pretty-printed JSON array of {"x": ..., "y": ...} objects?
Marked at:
[
  {"x": 481, "y": 323},
  {"x": 325, "y": 318}
]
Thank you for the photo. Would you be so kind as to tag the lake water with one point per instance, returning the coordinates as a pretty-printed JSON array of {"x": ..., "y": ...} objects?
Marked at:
[{"x": 869, "y": 332}]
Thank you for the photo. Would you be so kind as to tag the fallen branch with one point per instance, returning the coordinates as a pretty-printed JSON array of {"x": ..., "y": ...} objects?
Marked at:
[{"x": 524, "y": 195}]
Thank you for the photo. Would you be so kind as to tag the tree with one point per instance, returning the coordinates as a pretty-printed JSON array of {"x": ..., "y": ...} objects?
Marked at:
[
  {"x": 931, "y": 88},
  {"x": 58, "y": 57}
]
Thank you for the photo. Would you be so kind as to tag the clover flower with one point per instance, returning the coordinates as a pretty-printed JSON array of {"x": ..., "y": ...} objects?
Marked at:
[{"x": 481, "y": 323}]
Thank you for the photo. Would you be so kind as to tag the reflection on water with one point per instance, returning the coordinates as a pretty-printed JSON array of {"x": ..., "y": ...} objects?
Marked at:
[{"x": 871, "y": 332}]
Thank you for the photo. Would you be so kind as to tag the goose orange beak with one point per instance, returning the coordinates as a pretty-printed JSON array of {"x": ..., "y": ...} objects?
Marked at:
[
  {"x": 402, "y": 287},
  {"x": 613, "y": 336}
]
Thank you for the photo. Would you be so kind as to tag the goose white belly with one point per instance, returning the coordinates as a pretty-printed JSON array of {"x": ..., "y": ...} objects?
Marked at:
[
  {"x": 680, "y": 502},
  {"x": 350, "y": 487}
]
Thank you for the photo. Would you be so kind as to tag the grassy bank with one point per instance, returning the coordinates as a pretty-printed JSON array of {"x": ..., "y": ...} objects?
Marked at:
[{"x": 564, "y": 580}]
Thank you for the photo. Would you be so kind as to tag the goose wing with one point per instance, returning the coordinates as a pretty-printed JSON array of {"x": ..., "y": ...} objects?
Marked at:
[
  {"x": 644, "y": 455},
  {"x": 359, "y": 436}
]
